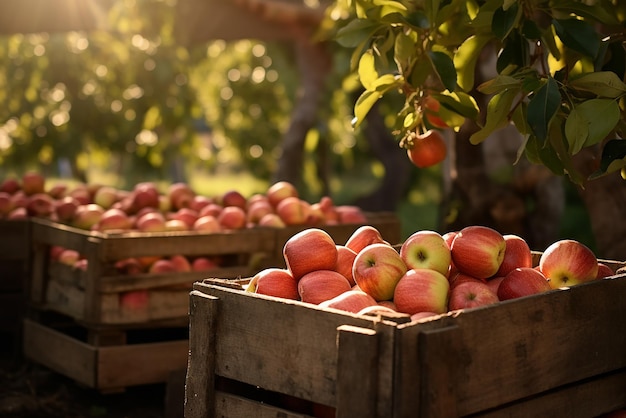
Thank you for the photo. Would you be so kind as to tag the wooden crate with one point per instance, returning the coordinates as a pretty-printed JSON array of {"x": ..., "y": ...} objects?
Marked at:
[
  {"x": 93, "y": 295},
  {"x": 386, "y": 222},
  {"x": 108, "y": 359},
  {"x": 561, "y": 353},
  {"x": 15, "y": 254}
]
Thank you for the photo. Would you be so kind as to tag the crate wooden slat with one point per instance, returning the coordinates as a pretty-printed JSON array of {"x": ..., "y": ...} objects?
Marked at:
[
  {"x": 106, "y": 368},
  {"x": 15, "y": 254}
]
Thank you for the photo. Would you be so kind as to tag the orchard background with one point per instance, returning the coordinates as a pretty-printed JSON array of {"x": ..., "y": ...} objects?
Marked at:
[{"x": 326, "y": 95}]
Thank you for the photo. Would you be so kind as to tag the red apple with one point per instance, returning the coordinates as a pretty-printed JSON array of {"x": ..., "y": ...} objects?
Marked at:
[
  {"x": 176, "y": 225},
  {"x": 151, "y": 222},
  {"x": 279, "y": 191},
  {"x": 316, "y": 215},
  {"x": 135, "y": 299},
  {"x": 494, "y": 283},
  {"x": 207, "y": 223},
  {"x": 81, "y": 193},
  {"x": 87, "y": 216},
  {"x": 18, "y": 214},
  {"x": 422, "y": 290},
  {"x": 331, "y": 216},
  {"x": 114, "y": 219},
  {"x": 350, "y": 214},
  {"x": 567, "y": 263},
  {"x": 459, "y": 278},
  {"x": 234, "y": 198},
  {"x": 203, "y": 264},
  {"x": 57, "y": 191},
  {"x": 363, "y": 236},
  {"x": 6, "y": 204},
  {"x": 65, "y": 208},
  {"x": 345, "y": 261},
  {"x": 198, "y": 202},
  {"x": 129, "y": 266},
  {"x": 377, "y": 269},
  {"x": 309, "y": 250},
  {"x": 40, "y": 204},
  {"x": 428, "y": 149},
  {"x": 350, "y": 301},
  {"x": 471, "y": 295},
  {"x": 478, "y": 251},
  {"x": 293, "y": 210},
  {"x": 258, "y": 209},
  {"x": 187, "y": 215},
  {"x": 320, "y": 285},
  {"x": 180, "y": 195},
  {"x": 517, "y": 254},
  {"x": 212, "y": 209},
  {"x": 232, "y": 217},
  {"x": 68, "y": 257},
  {"x": 181, "y": 263},
  {"x": 33, "y": 182},
  {"x": 604, "y": 271},
  {"x": 276, "y": 282},
  {"x": 10, "y": 185},
  {"x": 272, "y": 220},
  {"x": 143, "y": 195},
  {"x": 426, "y": 249},
  {"x": 162, "y": 265},
  {"x": 105, "y": 196},
  {"x": 523, "y": 281}
]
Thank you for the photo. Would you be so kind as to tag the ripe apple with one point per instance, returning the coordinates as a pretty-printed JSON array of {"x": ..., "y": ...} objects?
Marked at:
[
  {"x": 272, "y": 220},
  {"x": 143, "y": 195},
  {"x": 68, "y": 257},
  {"x": 345, "y": 261},
  {"x": 114, "y": 219},
  {"x": 522, "y": 281},
  {"x": 151, "y": 222},
  {"x": 470, "y": 294},
  {"x": 199, "y": 201},
  {"x": 331, "y": 217},
  {"x": 351, "y": 301},
  {"x": 181, "y": 263},
  {"x": 87, "y": 216},
  {"x": 207, "y": 223},
  {"x": 18, "y": 214},
  {"x": 203, "y": 264},
  {"x": 276, "y": 282},
  {"x": 176, "y": 225},
  {"x": 293, "y": 210},
  {"x": 258, "y": 209},
  {"x": 279, "y": 191},
  {"x": 180, "y": 195},
  {"x": 459, "y": 278},
  {"x": 81, "y": 193},
  {"x": 6, "y": 204},
  {"x": 135, "y": 299},
  {"x": 33, "y": 182},
  {"x": 57, "y": 191},
  {"x": 212, "y": 209},
  {"x": 65, "y": 208},
  {"x": 494, "y": 283},
  {"x": 232, "y": 217},
  {"x": 162, "y": 265},
  {"x": 363, "y": 236},
  {"x": 349, "y": 214},
  {"x": 426, "y": 249},
  {"x": 567, "y": 263},
  {"x": 187, "y": 215},
  {"x": 428, "y": 149},
  {"x": 431, "y": 107},
  {"x": 234, "y": 198},
  {"x": 478, "y": 251},
  {"x": 604, "y": 271},
  {"x": 377, "y": 269},
  {"x": 105, "y": 196},
  {"x": 129, "y": 266},
  {"x": 10, "y": 185},
  {"x": 40, "y": 204},
  {"x": 316, "y": 215},
  {"x": 517, "y": 254},
  {"x": 422, "y": 290},
  {"x": 309, "y": 250},
  {"x": 320, "y": 285}
]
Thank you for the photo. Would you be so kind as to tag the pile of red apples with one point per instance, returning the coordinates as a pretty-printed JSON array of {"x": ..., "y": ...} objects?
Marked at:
[
  {"x": 427, "y": 275},
  {"x": 179, "y": 208}
]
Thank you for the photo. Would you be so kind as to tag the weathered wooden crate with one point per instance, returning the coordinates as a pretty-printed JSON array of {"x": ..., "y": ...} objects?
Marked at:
[
  {"x": 15, "y": 254},
  {"x": 93, "y": 295},
  {"x": 561, "y": 353},
  {"x": 109, "y": 359},
  {"x": 387, "y": 223}
]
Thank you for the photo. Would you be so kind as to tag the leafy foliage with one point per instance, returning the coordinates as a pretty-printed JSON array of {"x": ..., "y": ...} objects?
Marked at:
[{"x": 558, "y": 76}]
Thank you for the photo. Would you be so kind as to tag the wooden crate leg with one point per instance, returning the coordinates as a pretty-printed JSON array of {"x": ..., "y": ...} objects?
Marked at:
[
  {"x": 200, "y": 382},
  {"x": 175, "y": 394}
]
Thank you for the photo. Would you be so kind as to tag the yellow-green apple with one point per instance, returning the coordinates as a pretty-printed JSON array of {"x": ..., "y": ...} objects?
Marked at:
[
  {"x": 517, "y": 254},
  {"x": 114, "y": 219},
  {"x": 105, "y": 196},
  {"x": 470, "y": 294},
  {"x": 568, "y": 262},
  {"x": 293, "y": 210},
  {"x": 377, "y": 269},
  {"x": 522, "y": 281},
  {"x": 345, "y": 261},
  {"x": 135, "y": 299},
  {"x": 604, "y": 271},
  {"x": 33, "y": 182},
  {"x": 350, "y": 301},
  {"x": 478, "y": 251},
  {"x": 309, "y": 250},
  {"x": 232, "y": 217},
  {"x": 426, "y": 249},
  {"x": 40, "y": 204},
  {"x": 176, "y": 225},
  {"x": 10, "y": 185},
  {"x": 234, "y": 198},
  {"x": 207, "y": 223},
  {"x": 203, "y": 264},
  {"x": 349, "y": 214},
  {"x": 180, "y": 195},
  {"x": 363, "y": 236},
  {"x": 279, "y": 191},
  {"x": 65, "y": 208},
  {"x": 257, "y": 209},
  {"x": 187, "y": 215},
  {"x": 162, "y": 265},
  {"x": 320, "y": 285},
  {"x": 129, "y": 266},
  {"x": 272, "y": 220},
  {"x": 422, "y": 290},
  {"x": 276, "y": 282},
  {"x": 151, "y": 222},
  {"x": 87, "y": 216}
]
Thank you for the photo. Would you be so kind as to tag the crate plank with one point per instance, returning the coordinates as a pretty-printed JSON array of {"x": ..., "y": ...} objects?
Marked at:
[
  {"x": 60, "y": 353},
  {"x": 229, "y": 405}
]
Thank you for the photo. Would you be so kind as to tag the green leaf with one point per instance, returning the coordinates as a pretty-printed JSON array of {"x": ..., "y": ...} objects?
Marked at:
[
  {"x": 542, "y": 108},
  {"x": 355, "y": 32},
  {"x": 505, "y": 19},
  {"x": 417, "y": 20},
  {"x": 576, "y": 131},
  {"x": 613, "y": 158},
  {"x": 497, "y": 117},
  {"x": 578, "y": 35},
  {"x": 601, "y": 117},
  {"x": 404, "y": 50},
  {"x": 545, "y": 155},
  {"x": 421, "y": 70},
  {"x": 367, "y": 70},
  {"x": 466, "y": 58},
  {"x": 598, "y": 11},
  {"x": 385, "y": 82},
  {"x": 444, "y": 66},
  {"x": 363, "y": 105},
  {"x": 515, "y": 54},
  {"x": 498, "y": 84},
  {"x": 460, "y": 103},
  {"x": 601, "y": 83}
]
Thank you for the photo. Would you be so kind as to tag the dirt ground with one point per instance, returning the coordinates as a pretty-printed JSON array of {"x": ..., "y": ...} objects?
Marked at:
[{"x": 28, "y": 390}]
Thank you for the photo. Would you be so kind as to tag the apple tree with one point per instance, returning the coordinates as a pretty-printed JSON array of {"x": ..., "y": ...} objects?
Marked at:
[{"x": 553, "y": 70}]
